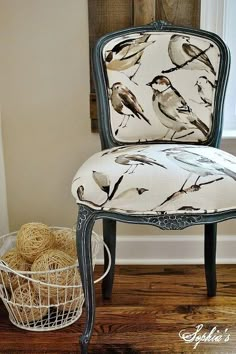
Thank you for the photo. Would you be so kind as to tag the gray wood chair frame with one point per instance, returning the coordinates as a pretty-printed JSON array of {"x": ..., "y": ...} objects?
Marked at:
[{"x": 87, "y": 216}]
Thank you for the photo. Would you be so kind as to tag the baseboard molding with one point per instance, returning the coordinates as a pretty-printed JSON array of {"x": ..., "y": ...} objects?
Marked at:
[{"x": 170, "y": 249}]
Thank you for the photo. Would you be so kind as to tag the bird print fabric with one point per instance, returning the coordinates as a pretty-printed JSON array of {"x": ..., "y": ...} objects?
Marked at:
[
  {"x": 186, "y": 55},
  {"x": 125, "y": 103},
  {"x": 161, "y": 90},
  {"x": 183, "y": 110},
  {"x": 205, "y": 90},
  {"x": 172, "y": 109},
  {"x": 127, "y": 54},
  {"x": 158, "y": 178}
]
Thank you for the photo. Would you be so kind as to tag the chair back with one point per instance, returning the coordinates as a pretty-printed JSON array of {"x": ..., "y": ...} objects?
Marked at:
[{"x": 160, "y": 84}]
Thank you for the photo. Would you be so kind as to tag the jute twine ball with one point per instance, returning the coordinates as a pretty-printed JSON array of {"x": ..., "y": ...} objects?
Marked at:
[
  {"x": 74, "y": 300},
  {"x": 25, "y": 296},
  {"x": 48, "y": 265},
  {"x": 71, "y": 298},
  {"x": 14, "y": 260},
  {"x": 65, "y": 241},
  {"x": 33, "y": 239}
]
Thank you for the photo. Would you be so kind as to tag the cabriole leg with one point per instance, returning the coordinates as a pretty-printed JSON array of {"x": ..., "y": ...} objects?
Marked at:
[
  {"x": 210, "y": 258},
  {"x": 86, "y": 219}
]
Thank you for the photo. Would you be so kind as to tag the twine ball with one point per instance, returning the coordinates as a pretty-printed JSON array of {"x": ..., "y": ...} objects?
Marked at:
[
  {"x": 65, "y": 241},
  {"x": 72, "y": 298},
  {"x": 72, "y": 301},
  {"x": 48, "y": 266},
  {"x": 33, "y": 239},
  {"x": 28, "y": 306},
  {"x": 15, "y": 261}
]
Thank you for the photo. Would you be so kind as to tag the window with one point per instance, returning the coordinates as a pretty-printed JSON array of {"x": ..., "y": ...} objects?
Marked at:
[{"x": 219, "y": 16}]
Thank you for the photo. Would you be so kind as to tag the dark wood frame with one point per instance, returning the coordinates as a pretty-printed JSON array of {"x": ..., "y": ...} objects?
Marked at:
[{"x": 87, "y": 215}]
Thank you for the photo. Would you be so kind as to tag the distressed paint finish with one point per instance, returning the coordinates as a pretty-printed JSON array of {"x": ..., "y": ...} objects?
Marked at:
[
  {"x": 87, "y": 215},
  {"x": 86, "y": 219}
]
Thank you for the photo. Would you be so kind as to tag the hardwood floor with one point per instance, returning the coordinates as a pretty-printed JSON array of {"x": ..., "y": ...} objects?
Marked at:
[{"x": 150, "y": 306}]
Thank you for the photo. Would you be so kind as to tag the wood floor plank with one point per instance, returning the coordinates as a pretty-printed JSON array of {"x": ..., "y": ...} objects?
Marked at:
[{"x": 149, "y": 307}]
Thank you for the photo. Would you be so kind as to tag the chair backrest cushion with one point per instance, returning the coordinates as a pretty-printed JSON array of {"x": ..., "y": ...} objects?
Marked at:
[{"x": 161, "y": 86}]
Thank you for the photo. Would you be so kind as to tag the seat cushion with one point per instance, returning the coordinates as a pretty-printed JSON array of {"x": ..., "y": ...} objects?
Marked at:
[{"x": 148, "y": 179}]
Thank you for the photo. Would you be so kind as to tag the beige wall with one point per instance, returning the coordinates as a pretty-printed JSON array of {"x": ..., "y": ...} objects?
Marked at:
[
  {"x": 44, "y": 90},
  {"x": 44, "y": 85}
]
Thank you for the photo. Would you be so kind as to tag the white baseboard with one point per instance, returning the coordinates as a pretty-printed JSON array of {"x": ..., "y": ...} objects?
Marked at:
[{"x": 170, "y": 250}]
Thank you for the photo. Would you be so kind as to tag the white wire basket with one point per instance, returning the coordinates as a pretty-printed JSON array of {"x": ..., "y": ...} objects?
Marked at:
[{"x": 37, "y": 305}]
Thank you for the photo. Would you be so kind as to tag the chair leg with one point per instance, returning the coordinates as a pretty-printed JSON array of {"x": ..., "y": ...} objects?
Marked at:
[
  {"x": 210, "y": 258},
  {"x": 109, "y": 237},
  {"x": 84, "y": 228}
]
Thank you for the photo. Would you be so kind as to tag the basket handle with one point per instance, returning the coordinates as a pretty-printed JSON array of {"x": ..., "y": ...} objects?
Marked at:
[{"x": 4, "y": 266}]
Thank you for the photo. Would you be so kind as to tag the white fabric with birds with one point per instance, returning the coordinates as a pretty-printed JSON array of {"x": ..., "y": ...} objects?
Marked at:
[
  {"x": 161, "y": 86},
  {"x": 148, "y": 179}
]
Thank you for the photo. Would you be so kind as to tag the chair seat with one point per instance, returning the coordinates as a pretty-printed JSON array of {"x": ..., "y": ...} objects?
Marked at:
[{"x": 165, "y": 178}]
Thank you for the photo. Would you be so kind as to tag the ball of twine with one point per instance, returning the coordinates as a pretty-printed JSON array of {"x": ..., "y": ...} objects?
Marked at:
[
  {"x": 65, "y": 241},
  {"x": 27, "y": 305},
  {"x": 33, "y": 239},
  {"x": 15, "y": 261},
  {"x": 72, "y": 298},
  {"x": 49, "y": 270}
]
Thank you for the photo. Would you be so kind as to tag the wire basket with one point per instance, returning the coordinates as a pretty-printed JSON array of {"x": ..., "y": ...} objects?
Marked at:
[{"x": 47, "y": 305}]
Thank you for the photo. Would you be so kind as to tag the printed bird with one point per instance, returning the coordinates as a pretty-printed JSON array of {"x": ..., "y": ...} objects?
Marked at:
[
  {"x": 172, "y": 109},
  {"x": 102, "y": 181},
  {"x": 181, "y": 51},
  {"x": 125, "y": 148},
  {"x": 195, "y": 163},
  {"x": 80, "y": 192},
  {"x": 133, "y": 161},
  {"x": 205, "y": 90},
  {"x": 128, "y": 195},
  {"x": 125, "y": 103},
  {"x": 127, "y": 54}
]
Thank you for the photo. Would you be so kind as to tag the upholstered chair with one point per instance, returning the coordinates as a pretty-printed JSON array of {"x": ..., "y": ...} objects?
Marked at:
[{"x": 160, "y": 92}]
